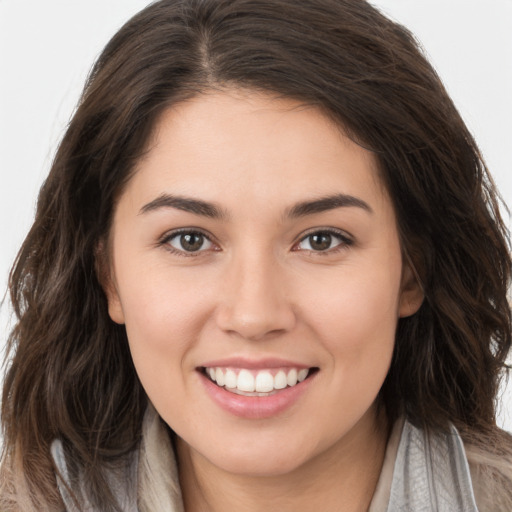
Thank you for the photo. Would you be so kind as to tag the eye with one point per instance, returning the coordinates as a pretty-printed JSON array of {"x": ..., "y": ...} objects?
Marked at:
[
  {"x": 323, "y": 241},
  {"x": 188, "y": 242}
]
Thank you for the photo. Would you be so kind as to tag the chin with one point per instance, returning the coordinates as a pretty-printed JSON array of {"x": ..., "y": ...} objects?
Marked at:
[
  {"x": 258, "y": 458},
  {"x": 262, "y": 465}
]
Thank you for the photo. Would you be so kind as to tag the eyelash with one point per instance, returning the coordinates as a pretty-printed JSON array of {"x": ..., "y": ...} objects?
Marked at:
[
  {"x": 166, "y": 239},
  {"x": 345, "y": 241}
]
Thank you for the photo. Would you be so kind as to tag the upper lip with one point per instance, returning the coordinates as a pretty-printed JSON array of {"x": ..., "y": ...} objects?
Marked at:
[{"x": 253, "y": 364}]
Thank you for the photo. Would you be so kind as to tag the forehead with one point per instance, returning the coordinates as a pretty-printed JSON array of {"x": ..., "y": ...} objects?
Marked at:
[{"x": 237, "y": 143}]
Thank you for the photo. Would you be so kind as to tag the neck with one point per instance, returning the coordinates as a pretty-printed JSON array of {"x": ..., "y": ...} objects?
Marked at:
[{"x": 346, "y": 474}]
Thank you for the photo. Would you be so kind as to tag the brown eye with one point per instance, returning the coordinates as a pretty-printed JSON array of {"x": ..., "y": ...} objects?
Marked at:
[
  {"x": 323, "y": 241},
  {"x": 190, "y": 242},
  {"x": 320, "y": 241}
]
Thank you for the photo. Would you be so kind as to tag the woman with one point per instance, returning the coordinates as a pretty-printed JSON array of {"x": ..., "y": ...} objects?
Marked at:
[{"x": 267, "y": 269}]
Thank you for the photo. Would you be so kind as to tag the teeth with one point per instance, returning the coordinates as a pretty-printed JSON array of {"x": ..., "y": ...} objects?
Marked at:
[
  {"x": 260, "y": 382},
  {"x": 245, "y": 381},
  {"x": 302, "y": 374},
  {"x": 230, "y": 379},
  {"x": 280, "y": 381},
  {"x": 291, "y": 378},
  {"x": 219, "y": 377},
  {"x": 264, "y": 382}
]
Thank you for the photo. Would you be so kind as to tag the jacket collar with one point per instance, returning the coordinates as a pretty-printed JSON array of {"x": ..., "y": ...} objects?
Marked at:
[{"x": 430, "y": 473}]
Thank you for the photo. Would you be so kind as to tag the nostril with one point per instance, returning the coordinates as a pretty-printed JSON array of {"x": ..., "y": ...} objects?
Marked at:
[{"x": 256, "y": 325}]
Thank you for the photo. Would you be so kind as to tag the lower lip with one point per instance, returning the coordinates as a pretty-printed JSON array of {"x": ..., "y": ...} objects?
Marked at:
[{"x": 256, "y": 407}]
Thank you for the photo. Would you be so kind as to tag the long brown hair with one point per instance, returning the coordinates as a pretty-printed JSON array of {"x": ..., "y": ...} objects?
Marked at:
[{"x": 70, "y": 374}]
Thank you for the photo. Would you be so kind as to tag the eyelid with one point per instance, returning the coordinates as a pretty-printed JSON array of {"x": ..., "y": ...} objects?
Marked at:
[
  {"x": 346, "y": 239},
  {"x": 169, "y": 235}
]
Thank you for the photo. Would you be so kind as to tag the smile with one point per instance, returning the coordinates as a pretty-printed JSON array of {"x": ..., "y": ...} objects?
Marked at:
[
  {"x": 256, "y": 390},
  {"x": 264, "y": 382}
]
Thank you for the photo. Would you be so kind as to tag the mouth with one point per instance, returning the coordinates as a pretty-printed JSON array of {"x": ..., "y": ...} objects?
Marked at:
[{"x": 256, "y": 382}]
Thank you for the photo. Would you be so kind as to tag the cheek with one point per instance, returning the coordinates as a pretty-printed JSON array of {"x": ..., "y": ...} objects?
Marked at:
[
  {"x": 354, "y": 314},
  {"x": 159, "y": 300},
  {"x": 163, "y": 317},
  {"x": 353, "y": 301},
  {"x": 162, "y": 328}
]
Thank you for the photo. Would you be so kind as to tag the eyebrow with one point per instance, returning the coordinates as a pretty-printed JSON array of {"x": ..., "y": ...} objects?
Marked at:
[
  {"x": 327, "y": 203},
  {"x": 186, "y": 204},
  {"x": 211, "y": 210}
]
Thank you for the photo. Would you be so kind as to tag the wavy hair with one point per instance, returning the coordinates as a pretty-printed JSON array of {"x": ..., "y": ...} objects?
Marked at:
[{"x": 70, "y": 374}]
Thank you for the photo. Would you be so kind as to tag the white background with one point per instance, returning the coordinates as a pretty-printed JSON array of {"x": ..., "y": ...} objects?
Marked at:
[{"x": 47, "y": 48}]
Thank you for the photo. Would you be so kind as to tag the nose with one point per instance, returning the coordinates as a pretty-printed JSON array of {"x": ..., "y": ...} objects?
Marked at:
[{"x": 253, "y": 302}]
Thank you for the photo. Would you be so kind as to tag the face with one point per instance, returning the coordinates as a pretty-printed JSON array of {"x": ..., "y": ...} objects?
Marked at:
[{"x": 256, "y": 264}]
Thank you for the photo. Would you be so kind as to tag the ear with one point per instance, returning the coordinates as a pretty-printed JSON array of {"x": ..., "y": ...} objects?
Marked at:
[
  {"x": 411, "y": 291},
  {"x": 106, "y": 278}
]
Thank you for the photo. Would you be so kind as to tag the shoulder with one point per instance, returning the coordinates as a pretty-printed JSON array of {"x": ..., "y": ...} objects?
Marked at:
[
  {"x": 431, "y": 467},
  {"x": 145, "y": 480},
  {"x": 491, "y": 473},
  {"x": 121, "y": 480}
]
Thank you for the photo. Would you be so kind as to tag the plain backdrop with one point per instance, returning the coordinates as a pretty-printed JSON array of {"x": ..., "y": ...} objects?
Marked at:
[{"x": 47, "y": 49}]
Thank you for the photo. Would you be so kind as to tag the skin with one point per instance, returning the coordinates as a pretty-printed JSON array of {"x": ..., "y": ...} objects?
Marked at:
[{"x": 258, "y": 289}]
